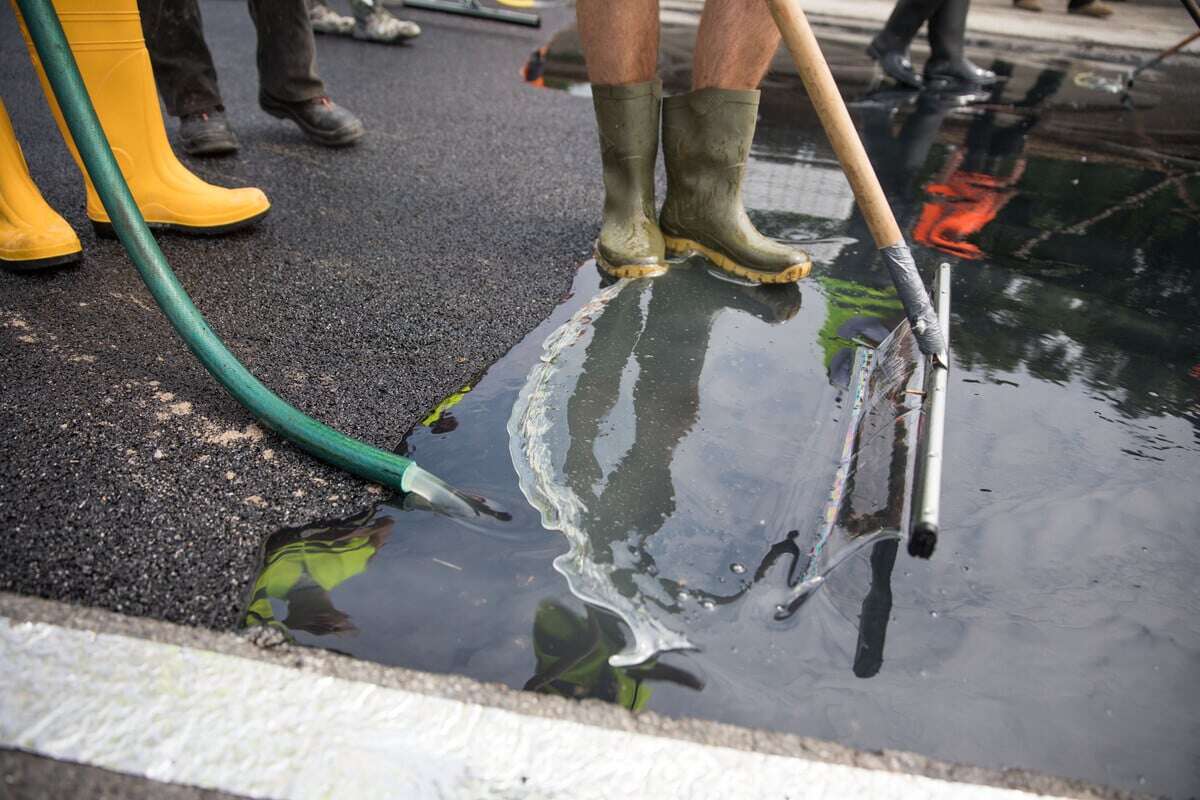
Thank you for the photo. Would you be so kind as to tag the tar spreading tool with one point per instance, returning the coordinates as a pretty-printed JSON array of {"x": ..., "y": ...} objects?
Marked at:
[{"x": 923, "y": 319}]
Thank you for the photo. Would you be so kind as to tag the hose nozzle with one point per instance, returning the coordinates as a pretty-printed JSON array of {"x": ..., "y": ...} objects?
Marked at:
[{"x": 431, "y": 493}]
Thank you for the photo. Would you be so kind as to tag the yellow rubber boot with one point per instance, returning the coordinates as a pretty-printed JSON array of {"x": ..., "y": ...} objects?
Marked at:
[
  {"x": 32, "y": 234},
  {"x": 106, "y": 39}
]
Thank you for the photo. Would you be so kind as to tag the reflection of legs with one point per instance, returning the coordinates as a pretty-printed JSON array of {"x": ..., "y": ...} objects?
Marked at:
[
  {"x": 620, "y": 40},
  {"x": 876, "y": 610},
  {"x": 615, "y": 334},
  {"x": 989, "y": 145},
  {"x": 899, "y": 160},
  {"x": 875, "y": 128},
  {"x": 735, "y": 44},
  {"x": 1048, "y": 82},
  {"x": 311, "y": 609},
  {"x": 916, "y": 140},
  {"x": 640, "y": 495}
]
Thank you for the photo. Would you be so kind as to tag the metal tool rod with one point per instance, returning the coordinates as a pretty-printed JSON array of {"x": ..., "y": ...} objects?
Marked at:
[{"x": 929, "y": 486}]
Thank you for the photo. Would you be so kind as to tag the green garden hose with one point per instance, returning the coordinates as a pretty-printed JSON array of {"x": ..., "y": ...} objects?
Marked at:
[{"x": 325, "y": 443}]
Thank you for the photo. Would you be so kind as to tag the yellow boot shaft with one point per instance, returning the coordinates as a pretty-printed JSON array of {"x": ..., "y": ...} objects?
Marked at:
[
  {"x": 32, "y": 234},
  {"x": 106, "y": 39}
]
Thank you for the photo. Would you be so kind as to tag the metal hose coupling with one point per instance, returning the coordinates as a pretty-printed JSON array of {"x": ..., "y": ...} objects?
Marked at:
[{"x": 917, "y": 305}]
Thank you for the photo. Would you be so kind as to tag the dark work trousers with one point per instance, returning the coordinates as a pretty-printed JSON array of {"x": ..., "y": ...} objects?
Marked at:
[{"x": 183, "y": 66}]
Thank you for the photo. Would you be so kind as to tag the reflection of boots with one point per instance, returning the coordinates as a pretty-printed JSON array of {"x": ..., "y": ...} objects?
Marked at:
[
  {"x": 890, "y": 46},
  {"x": 947, "y": 66},
  {"x": 630, "y": 243},
  {"x": 31, "y": 233},
  {"x": 107, "y": 44},
  {"x": 706, "y": 143},
  {"x": 774, "y": 303}
]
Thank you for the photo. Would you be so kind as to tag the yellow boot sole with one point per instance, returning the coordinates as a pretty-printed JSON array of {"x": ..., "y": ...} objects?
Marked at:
[
  {"x": 42, "y": 262},
  {"x": 104, "y": 228},
  {"x": 631, "y": 270},
  {"x": 793, "y": 273}
]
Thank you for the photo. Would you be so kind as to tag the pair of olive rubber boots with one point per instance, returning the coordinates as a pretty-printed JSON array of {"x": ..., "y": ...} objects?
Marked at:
[
  {"x": 106, "y": 39},
  {"x": 706, "y": 136}
]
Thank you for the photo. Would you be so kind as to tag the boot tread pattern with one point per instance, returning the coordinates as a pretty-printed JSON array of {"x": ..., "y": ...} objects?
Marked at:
[
  {"x": 790, "y": 274},
  {"x": 631, "y": 270}
]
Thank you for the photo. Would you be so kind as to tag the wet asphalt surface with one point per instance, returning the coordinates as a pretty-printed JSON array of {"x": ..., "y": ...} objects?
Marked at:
[{"x": 385, "y": 276}]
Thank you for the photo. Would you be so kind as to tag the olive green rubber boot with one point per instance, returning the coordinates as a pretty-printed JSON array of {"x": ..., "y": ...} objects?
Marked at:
[
  {"x": 630, "y": 243},
  {"x": 706, "y": 141}
]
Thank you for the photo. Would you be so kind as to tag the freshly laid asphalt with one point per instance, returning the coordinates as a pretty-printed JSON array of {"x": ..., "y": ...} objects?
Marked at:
[{"x": 386, "y": 275}]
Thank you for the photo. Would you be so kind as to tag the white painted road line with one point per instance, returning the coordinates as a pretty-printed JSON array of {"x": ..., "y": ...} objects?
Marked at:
[{"x": 198, "y": 717}]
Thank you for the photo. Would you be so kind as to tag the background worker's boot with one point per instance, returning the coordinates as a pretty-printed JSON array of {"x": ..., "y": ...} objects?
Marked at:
[
  {"x": 706, "y": 142},
  {"x": 1091, "y": 9},
  {"x": 947, "y": 66},
  {"x": 32, "y": 234},
  {"x": 374, "y": 23},
  {"x": 106, "y": 39},
  {"x": 890, "y": 45},
  {"x": 325, "y": 20},
  {"x": 322, "y": 120},
  {"x": 207, "y": 133},
  {"x": 630, "y": 243}
]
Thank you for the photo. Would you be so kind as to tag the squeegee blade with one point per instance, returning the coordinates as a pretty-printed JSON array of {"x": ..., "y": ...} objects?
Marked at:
[{"x": 472, "y": 8}]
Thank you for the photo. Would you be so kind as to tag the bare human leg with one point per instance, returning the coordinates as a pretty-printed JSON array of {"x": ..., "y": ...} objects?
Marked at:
[
  {"x": 620, "y": 40},
  {"x": 620, "y": 45},
  {"x": 735, "y": 44},
  {"x": 706, "y": 137}
]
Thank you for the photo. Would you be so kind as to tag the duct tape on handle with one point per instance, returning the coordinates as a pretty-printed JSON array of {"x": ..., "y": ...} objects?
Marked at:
[{"x": 915, "y": 299}]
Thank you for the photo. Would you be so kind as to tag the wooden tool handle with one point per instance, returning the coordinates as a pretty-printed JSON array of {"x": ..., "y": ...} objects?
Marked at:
[{"x": 831, "y": 109}]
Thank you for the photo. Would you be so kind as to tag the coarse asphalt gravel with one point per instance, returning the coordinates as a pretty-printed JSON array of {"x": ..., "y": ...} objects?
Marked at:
[{"x": 386, "y": 276}]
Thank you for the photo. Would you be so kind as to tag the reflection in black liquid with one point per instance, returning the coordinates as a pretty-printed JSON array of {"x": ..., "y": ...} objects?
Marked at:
[
  {"x": 572, "y": 660},
  {"x": 976, "y": 183},
  {"x": 876, "y": 611},
  {"x": 1073, "y": 453},
  {"x": 664, "y": 343},
  {"x": 302, "y": 567},
  {"x": 650, "y": 345}
]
